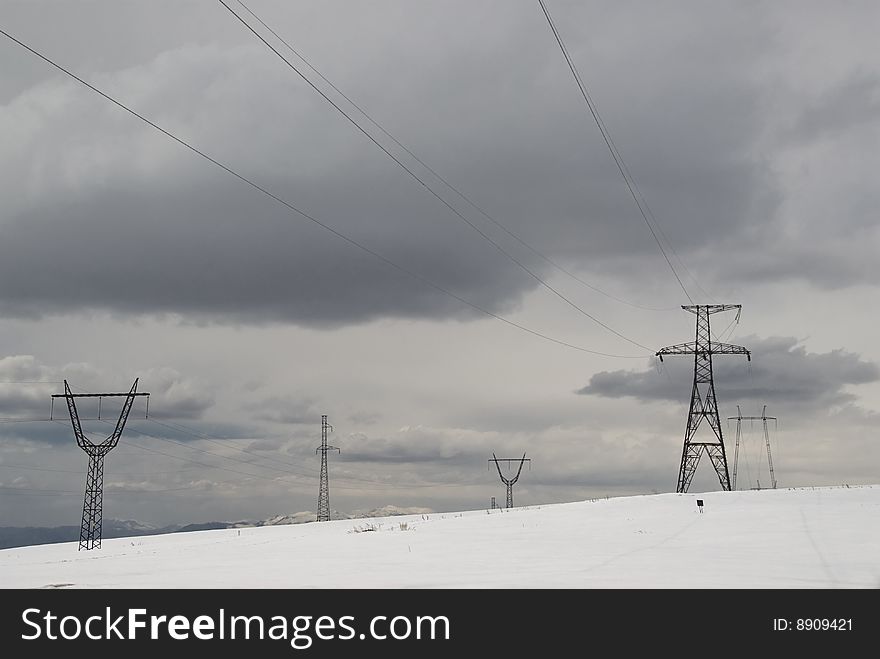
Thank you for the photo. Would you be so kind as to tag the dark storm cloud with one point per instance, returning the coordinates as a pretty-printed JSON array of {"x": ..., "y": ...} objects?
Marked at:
[
  {"x": 781, "y": 371},
  {"x": 232, "y": 257},
  {"x": 117, "y": 217}
]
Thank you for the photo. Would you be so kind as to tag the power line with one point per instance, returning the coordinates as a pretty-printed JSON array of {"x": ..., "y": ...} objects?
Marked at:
[
  {"x": 14, "y": 420},
  {"x": 307, "y": 216},
  {"x": 292, "y": 471},
  {"x": 635, "y": 184},
  {"x": 361, "y": 483},
  {"x": 218, "y": 455},
  {"x": 618, "y": 160},
  {"x": 79, "y": 471},
  {"x": 219, "y": 441},
  {"x": 421, "y": 181},
  {"x": 442, "y": 179},
  {"x": 11, "y": 490}
]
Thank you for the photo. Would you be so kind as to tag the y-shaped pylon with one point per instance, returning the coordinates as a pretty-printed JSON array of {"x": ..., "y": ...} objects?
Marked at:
[
  {"x": 93, "y": 503},
  {"x": 509, "y": 482}
]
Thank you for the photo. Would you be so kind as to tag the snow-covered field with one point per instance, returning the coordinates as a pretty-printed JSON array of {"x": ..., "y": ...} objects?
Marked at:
[{"x": 825, "y": 537}]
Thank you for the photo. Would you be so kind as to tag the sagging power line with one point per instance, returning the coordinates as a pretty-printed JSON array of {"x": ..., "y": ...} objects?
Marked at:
[
  {"x": 431, "y": 190},
  {"x": 444, "y": 180},
  {"x": 324, "y": 485},
  {"x": 638, "y": 198},
  {"x": 278, "y": 199}
]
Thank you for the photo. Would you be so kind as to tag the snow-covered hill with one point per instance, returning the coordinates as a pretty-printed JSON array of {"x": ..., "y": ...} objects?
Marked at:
[{"x": 825, "y": 537}]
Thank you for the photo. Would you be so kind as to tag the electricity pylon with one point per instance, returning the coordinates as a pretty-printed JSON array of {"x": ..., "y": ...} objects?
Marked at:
[
  {"x": 704, "y": 404},
  {"x": 93, "y": 503},
  {"x": 509, "y": 482},
  {"x": 739, "y": 419},
  {"x": 324, "y": 487}
]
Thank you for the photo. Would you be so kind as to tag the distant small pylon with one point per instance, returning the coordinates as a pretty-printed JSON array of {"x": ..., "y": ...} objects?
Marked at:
[
  {"x": 739, "y": 419},
  {"x": 509, "y": 482},
  {"x": 324, "y": 487}
]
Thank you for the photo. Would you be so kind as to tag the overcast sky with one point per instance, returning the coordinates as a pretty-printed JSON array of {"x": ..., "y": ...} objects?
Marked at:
[{"x": 431, "y": 335}]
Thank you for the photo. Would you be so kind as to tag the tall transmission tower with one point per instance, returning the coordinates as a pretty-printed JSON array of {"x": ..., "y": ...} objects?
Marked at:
[
  {"x": 509, "y": 482},
  {"x": 324, "y": 487},
  {"x": 93, "y": 503},
  {"x": 704, "y": 404},
  {"x": 764, "y": 418}
]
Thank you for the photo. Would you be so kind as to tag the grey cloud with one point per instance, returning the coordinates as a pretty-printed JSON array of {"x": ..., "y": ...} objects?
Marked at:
[
  {"x": 851, "y": 104},
  {"x": 413, "y": 445},
  {"x": 35, "y": 435},
  {"x": 26, "y": 387},
  {"x": 32, "y": 385},
  {"x": 145, "y": 228},
  {"x": 781, "y": 371},
  {"x": 363, "y": 418},
  {"x": 285, "y": 410},
  {"x": 174, "y": 396}
]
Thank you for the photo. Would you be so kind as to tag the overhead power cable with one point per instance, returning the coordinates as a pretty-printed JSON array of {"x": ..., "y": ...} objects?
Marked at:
[
  {"x": 618, "y": 160},
  {"x": 291, "y": 469},
  {"x": 311, "y": 218},
  {"x": 437, "y": 175},
  {"x": 431, "y": 190}
]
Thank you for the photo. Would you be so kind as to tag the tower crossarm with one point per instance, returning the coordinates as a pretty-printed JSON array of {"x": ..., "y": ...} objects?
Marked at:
[
  {"x": 522, "y": 461},
  {"x": 81, "y": 440},
  {"x": 712, "y": 308},
  {"x": 729, "y": 349},
  {"x": 688, "y": 348},
  {"x": 691, "y": 348}
]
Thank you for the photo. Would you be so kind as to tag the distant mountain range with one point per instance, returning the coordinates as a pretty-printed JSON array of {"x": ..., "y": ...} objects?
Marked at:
[{"x": 23, "y": 536}]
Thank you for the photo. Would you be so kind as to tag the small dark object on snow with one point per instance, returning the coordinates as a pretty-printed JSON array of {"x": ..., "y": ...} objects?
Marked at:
[{"x": 700, "y": 504}]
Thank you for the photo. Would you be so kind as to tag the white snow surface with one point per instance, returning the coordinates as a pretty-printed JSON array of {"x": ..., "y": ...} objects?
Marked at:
[{"x": 823, "y": 537}]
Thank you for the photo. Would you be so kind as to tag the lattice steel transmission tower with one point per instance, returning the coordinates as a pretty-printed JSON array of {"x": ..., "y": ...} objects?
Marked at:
[
  {"x": 509, "y": 482},
  {"x": 324, "y": 487},
  {"x": 739, "y": 419},
  {"x": 704, "y": 404},
  {"x": 93, "y": 503}
]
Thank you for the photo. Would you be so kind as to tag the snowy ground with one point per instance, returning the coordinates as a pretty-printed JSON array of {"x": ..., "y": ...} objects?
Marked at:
[{"x": 790, "y": 538}]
